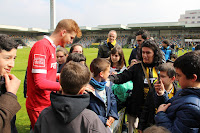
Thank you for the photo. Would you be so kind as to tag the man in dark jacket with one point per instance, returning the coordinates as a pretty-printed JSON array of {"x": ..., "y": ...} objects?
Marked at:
[
  {"x": 141, "y": 36},
  {"x": 68, "y": 112},
  {"x": 105, "y": 48},
  {"x": 9, "y": 85}
]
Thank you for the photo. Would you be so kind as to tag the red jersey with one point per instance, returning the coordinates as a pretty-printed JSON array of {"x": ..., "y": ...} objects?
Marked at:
[{"x": 41, "y": 74}]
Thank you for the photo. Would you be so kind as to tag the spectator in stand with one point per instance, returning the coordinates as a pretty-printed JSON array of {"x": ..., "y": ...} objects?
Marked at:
[
  {"x": 173, "y": 58},
  {"x": 141, "y": 36},
  {"x": 41, "y": 71},
  {"x": 76, "y": 48},
  {"x": 9, "y": 85},
  {"x": 166, "y": 49},
  {"x": 105, "y": 48},
  {"x": 61, "y": 57},
  {"x": 68, "y": 113},
  {"x": 177, "y": 48},
  {"x": 197, "y": 47},
  {"x": 173, "y": 47}
]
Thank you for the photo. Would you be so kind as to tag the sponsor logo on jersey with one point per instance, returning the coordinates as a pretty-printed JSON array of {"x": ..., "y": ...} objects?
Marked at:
[
  {"x": 39, "y": 60},
  {"x": 53, "y": 65}
]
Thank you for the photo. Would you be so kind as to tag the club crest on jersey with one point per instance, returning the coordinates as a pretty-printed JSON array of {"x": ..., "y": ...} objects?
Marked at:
[{"x": 39, "y": 60}]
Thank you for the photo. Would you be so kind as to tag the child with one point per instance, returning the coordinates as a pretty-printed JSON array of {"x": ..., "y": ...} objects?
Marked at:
[
  {"x": 102, "y": 100},
  {"x": 182, "y": 112},
  {"x": 76, "y": 48},
  {"x": 9, "y": 85},
  {"x": 68, "y": 112},
  {"x": 117, "y": 60},
  {"x": 167, "y": 77},
  {"x": 61, "y": 57},
  {"x": 76, "y": 57},
  {"x": 121, "y": 91}
]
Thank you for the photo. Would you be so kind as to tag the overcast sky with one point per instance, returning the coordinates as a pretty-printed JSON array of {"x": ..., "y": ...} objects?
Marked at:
[{"x": 36, "y": 13}]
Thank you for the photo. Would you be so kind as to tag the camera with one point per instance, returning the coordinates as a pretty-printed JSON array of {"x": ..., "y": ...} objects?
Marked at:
[{"x": 2, "y": 85}]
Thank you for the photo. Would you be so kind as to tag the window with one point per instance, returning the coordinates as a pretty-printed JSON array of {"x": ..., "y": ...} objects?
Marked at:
[
  {"x": 187, "y": 17},
  {"x": 198, "y": 21},
  {"x": 185, "y": 22},
  {"x": 193, "y": 17},
  {"x": 198, "y": 16},
  {"x": 193, "y": 13},
  {"x": 192, "y": 22}
]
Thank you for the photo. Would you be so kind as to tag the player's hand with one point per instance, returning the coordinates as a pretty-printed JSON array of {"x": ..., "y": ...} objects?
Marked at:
[
  {"x": 163, "y": 107},
  {"x": 12, "y": 83}
]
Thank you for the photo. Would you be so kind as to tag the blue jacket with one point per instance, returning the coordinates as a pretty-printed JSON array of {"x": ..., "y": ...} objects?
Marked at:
[
  {"x": 98, "y": 106},
  {"x": 167, "y": 52},
  {"x": 183, "y": 115}
]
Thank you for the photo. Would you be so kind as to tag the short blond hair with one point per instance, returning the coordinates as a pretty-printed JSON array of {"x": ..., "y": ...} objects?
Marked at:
[{"x": 69, "y": 25}]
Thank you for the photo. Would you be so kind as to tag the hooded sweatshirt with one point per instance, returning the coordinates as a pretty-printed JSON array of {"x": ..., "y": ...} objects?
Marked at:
[{"x": 68, "y": 113}]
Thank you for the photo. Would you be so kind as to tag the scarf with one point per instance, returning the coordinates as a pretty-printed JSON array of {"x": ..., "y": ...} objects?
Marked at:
[
  {"x": 98, "y": 85},
  {"x": 111, "y": 45}
]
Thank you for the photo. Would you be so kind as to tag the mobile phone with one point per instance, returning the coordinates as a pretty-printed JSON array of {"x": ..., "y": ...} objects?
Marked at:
[{"x": 159, "y": 76}]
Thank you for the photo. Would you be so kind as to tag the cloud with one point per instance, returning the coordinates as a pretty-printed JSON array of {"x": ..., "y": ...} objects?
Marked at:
[
  {"x": 26, "y": 13},
  {"x": 36, "y": 13}
]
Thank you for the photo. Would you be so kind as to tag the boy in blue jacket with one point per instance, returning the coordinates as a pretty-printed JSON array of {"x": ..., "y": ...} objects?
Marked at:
[
  {"x": 181, "y": 113},
  {"x": 102, "y": 100}
]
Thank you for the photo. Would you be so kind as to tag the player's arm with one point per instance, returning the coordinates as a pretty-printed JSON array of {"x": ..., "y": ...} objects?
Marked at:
[
  {"x": 42, "y": 82},
  {"x": 40, "y": 57}
]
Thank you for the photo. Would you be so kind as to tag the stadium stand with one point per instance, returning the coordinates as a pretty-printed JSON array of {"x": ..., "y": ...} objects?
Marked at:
[{"x": 177, "y": 33}]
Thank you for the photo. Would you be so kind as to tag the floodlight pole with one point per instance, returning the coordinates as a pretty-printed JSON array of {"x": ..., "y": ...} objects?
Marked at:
[{"x": 52, "y": 15}]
